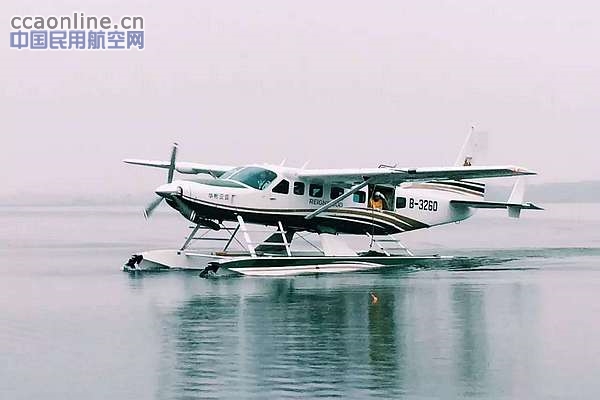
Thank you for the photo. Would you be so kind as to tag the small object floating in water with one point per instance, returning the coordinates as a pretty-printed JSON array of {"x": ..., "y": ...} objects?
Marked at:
[{"x": 374, "y": 298}]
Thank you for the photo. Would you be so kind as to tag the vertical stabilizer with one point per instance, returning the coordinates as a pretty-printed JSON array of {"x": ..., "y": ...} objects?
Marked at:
[
  {"x": 473, "y": 149},
  {"x": 516, "y": 197}
]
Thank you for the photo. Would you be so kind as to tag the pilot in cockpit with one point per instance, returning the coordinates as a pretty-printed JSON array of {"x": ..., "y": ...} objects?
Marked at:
[{"x": 263, "y": 180}]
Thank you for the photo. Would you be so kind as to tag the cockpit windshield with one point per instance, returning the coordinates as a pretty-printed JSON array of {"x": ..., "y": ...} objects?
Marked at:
[
  {"x": 229, "y": 173},
  {"x": 256, "y": 177}
]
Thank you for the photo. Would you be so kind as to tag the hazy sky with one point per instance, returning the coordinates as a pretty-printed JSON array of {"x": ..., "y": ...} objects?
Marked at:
[{"x": 340, "y": 83}]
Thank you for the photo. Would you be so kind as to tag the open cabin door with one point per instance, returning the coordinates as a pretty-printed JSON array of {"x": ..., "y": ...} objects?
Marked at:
[{"x": 388, "y": 192}]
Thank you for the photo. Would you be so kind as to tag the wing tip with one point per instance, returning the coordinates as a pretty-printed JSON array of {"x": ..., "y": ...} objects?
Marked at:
[
  {"x": 146, "y": 163},
  {"x": 523, "y": 171},
  {"x": 532, "y": 206}
]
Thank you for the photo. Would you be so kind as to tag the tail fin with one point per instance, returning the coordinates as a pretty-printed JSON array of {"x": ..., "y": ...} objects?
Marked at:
[
  {"x": 471, "y": 152},
  {"x": 516, "y": 197},
  {"x": 473, "y": 149}
]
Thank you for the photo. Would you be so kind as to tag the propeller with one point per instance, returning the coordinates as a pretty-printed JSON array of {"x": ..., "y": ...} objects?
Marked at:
[
  {"x": 156, "y": 202},
  {"x": 151, "y": 206}
]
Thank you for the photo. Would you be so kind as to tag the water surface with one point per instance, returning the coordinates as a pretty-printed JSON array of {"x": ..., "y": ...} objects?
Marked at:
[{"x": 517, "y": 319}]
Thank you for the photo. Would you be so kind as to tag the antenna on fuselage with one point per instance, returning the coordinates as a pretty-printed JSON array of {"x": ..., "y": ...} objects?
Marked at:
[{"x": 305, "y": 164}]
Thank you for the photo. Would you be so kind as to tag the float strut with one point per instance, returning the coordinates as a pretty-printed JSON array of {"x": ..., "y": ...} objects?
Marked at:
[{"x": 190, "y": 237}]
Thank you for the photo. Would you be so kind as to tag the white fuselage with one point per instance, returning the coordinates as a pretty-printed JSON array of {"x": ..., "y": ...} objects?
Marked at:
[{"x": 279, "y": 195}]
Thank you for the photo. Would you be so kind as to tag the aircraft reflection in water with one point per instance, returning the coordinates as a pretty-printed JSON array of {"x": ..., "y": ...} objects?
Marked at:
[
  {"x": 469, "y": 306},
  {"x": 315, "y": 337}
]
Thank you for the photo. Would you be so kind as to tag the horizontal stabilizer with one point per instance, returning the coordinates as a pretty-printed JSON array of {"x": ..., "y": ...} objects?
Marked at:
[
  {"x": 514, "y": 205},
  {"x": 494, "y": 204}
]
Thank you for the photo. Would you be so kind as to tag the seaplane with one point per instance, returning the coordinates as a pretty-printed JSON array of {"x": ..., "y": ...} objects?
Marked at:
[{"x": 287, "y": 203}]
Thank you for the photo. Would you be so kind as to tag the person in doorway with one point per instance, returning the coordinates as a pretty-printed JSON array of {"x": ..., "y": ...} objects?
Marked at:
[{"x": 377, "y": 201}]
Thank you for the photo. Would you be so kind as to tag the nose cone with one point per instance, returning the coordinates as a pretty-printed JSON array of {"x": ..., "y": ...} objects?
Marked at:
[{"x": 168, "y": 190}]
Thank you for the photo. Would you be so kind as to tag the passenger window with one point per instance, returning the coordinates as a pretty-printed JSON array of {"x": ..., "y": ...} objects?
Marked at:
[
  {"x": 282, "y": 187},
  {"x": 400, "y": 202},
  {"x": 336, "y": 192},
  {"x": 299, "y": 188},
  {"x": 315, "y": 190},
  {"x": 359, "y": 197}
]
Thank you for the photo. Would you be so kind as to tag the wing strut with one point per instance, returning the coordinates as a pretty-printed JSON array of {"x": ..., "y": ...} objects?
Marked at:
[{"x": 333, "y": 202}]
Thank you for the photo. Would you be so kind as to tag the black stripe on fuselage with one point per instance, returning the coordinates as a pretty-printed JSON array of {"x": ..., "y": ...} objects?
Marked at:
[
  {"x": 447, "y": 188},
  {"x": 341, "y": 220},
  {"x": 475, "y": 186}
]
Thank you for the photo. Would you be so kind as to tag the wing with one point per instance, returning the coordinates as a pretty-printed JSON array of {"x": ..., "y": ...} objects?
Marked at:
[
  {"x": 184, "y": 167},
  {"x": 395, "y": 176},
  {"x": 348, "y": 176},
  {"x": 356, "y": 179}
]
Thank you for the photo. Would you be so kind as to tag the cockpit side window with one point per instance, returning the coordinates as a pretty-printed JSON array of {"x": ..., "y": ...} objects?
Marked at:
[
  {"x": 256, "y": 177},
  {"x": 282, "y": 187}
]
